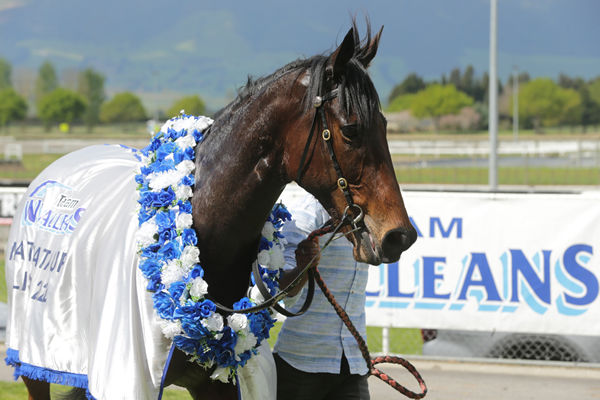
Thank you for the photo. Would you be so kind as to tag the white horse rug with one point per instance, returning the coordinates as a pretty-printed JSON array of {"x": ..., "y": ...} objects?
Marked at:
[{"x": 80, "y": 314}]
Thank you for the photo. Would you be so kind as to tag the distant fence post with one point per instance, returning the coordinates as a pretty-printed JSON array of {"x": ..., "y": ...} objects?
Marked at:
[{"x": 385, "y": 340}]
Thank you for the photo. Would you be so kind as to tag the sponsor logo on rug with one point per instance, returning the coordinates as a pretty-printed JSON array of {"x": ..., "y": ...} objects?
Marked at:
[{"x": 53, "y": 207}]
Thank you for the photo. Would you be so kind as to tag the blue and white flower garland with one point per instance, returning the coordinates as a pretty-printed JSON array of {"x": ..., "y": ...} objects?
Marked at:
[{"x": 169, "y": 258}]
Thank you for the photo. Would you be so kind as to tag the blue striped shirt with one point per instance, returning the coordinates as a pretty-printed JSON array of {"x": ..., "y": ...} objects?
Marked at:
[{"x": 314, "y": 342}]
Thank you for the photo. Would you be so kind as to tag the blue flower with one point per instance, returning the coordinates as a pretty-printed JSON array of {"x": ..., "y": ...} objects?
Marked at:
[
  {"x": 154, "y": 284},
  {"x": 189, "y": 237},
  {"x": 150, "y": 267},
  {"x": 187, "y": 345},
  {"x": 146, "y": 170},
  {"x": 176, "y": 289},
  {"x": 264, "y": 244},
  {"x": 226, "y": 345},
  {"x": 166, "y": 235},
  {"x": 188, "y": 180},
  {"x": 260, "y": 323},
  {"x": 207, "y": 307},
  {"x": 170, "y": 251},
  {"x": 198, "y": 135},
  {"x": 163, "y": 166},
  {"x": 165, "y": 149},
  {"x": 244, "y": 302},
  {"x": 189, "y": 154},
  {"x": 165, "y": 220},
  {"x": 150, "y": 251},
  {"x": 164, "y": 304},
  {"x": 196, "y": 272},
  {"x": 185, "y": 206},
  {"x": 139, "y": 178},
  {"x": 145, "y": 214},
  {"x": 163, "y": 198},
  {"x": 194, "y": 329},
  {"x": 244, "y": 357}
]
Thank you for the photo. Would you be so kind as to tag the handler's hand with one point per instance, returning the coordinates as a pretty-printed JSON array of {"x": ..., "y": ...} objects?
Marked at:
[{"x": 306, "y": 250}]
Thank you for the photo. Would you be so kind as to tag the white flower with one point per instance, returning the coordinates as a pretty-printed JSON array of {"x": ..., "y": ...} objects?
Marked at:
[
  {"x": 256, "y": 296},
  {"x": 277, "y": 257},
  {"x": 186, "y": 141},
  {"x": 214, "y": 322},
  {"x": 190, "y": 256},
  {"x": 183, "y": 192},
  {"x": 145, "y": 234},
  {"x": 183, "y": 220},
  {"x": 170, "y": 328},
  {"x": 268, "y": 230},
  {"x": 237, "y": 322},
  {"x": 264, "y": 258},
  {"x": 185, "y": 167},
  {"x": 172, "y": 272},
  {"x": 221, "y": 374},
  {"x": 161, "y": 180},
  {"x": 199, "y": 287},
  {"x": 244, "y": 342}
]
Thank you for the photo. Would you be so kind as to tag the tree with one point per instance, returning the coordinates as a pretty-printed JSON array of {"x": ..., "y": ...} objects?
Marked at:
[
  {"x": 594, "y": 89},
  {"x": 522, "y": 78},
  {"x": 124, "y": 107},
  {"x": 5, "y": 74},
  {"x": 46, "y": 82},
  {"x": 401, "y": 103},
  {"x": 437, "y": 100},
  {"x": 13, "y": 107},
  {"x": 61, "y": 105},
  {"x": 91, "y": 86},
  {"x": 411, "y": 84},
  {"x": 192, "y": 105},
  {"x": 455, "y": 78},
  {"x": 571, "y": 110},
  {"x": 546, "y": 104}
]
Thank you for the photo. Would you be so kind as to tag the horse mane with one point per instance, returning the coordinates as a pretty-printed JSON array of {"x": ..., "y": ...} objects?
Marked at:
[{"x": 357, "y": 92}]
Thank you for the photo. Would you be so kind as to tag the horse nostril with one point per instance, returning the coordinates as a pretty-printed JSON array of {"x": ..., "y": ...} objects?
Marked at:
[{"x": 396, "y": 241}]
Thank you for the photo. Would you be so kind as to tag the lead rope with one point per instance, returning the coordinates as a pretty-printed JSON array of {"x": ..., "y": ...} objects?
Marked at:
[{"x": 362, "y": 345}]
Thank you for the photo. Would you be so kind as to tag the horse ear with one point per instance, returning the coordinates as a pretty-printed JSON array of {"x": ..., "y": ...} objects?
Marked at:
[
  {"x": 371, "y": 50},
  {"x": 340, "y": 57}
]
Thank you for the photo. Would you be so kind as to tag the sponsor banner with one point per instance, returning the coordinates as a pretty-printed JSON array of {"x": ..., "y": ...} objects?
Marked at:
[
  {"x": 494, "y": 262},
  {"x": 9, "y": 200}
]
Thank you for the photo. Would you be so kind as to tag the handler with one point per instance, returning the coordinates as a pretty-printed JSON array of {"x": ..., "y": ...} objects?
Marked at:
[{"x": 316, "y": 356}]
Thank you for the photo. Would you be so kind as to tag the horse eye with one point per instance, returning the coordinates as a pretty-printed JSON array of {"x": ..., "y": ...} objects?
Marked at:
[{"x": 350, "y": 131}]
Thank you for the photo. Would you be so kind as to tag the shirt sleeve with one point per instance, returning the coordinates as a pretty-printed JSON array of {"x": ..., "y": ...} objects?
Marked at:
[{"x": 307, "y": 215}]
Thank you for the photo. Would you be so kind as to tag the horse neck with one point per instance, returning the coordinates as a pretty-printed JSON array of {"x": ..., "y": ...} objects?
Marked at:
[{"x": 238, "y": 179}]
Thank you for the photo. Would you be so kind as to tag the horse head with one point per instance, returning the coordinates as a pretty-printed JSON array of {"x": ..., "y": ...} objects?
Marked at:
[{"x": 347, "y": 165}]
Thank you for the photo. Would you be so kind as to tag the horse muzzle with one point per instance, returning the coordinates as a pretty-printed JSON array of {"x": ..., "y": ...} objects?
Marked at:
[{"x": 388, "y": 249}]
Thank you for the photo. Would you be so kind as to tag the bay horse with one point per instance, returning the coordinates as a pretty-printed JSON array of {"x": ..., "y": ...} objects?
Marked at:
[{"x": 262, "y": 141}]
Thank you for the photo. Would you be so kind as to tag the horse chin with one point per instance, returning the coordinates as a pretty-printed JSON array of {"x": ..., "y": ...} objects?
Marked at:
[{"x": 366, "y": 250}]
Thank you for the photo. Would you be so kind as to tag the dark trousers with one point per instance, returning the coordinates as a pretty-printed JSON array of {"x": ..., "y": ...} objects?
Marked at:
[{"x": 293, "y": 384}]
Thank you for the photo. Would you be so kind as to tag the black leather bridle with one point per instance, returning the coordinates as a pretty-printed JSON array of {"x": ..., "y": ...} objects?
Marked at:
[{"x": 354, "y": 221}]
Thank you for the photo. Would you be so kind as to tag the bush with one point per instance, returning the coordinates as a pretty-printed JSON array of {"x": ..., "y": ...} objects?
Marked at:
[
  {"x": 192, "y": 105},
  {"x": 124, "y": 107},
  {"x": 13, "y": 107},
  {"x": 60, "y": 105}
]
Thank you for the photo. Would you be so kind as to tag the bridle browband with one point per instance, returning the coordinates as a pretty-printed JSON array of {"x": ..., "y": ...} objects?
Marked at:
[{"x": 353, "y": 221}]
